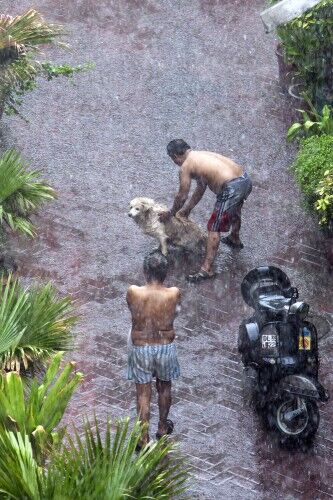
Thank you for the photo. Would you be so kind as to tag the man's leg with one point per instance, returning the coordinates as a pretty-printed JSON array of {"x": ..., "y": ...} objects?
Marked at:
[
  {"x": 164, "y": 403},
  {"x": 143, "y": 397},
  {"x": 235, "y": 226},
  {"x": 213, "y": 242}
]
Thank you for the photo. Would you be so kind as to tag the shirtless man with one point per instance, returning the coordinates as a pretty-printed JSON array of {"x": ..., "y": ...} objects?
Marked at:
[
  {"x": 230, "y": 184},
  {"x": 151, "y": 350}
]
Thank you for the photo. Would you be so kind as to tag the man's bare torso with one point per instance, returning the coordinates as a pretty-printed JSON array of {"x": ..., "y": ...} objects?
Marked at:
[
  {"x": 153, "y": 309},
  {"x": 211, "y": 168}
]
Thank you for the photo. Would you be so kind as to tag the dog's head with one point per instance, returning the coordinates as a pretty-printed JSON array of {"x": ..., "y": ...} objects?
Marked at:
[{"x": 140, "y": 206}]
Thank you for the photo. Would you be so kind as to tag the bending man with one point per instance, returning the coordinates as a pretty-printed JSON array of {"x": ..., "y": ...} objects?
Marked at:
[
  {"x": 152, "y": 352},
  {"x": 230, "y": 184}
]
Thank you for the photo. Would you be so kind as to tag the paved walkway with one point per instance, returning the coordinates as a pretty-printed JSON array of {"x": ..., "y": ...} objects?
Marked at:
[{"x": 203, "y": 70}]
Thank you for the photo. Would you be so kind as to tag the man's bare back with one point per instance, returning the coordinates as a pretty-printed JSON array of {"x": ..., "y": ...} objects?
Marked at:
[
  {"x": 153, "y": 309},
  {"x": 210, "y": 168}
]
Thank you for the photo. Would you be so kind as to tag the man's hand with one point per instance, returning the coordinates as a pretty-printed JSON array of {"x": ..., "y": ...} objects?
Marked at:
[
  {"x": 183, "y": 213},
  {"x": 165, "y": 216}
]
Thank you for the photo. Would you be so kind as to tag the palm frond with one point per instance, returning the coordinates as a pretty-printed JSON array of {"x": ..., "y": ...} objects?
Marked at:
[
  {"x": 20, "y": 476},
  {"x": 48, "y": 322},
  {"x": 28, "y": 29},
  {"x": 21, "y": 194},
  {"x": 94, "y": 468},
  {"x": 13, "y": 305},
  {"x": 35, "y": 324},
  {"x": 38, "y": 410}
]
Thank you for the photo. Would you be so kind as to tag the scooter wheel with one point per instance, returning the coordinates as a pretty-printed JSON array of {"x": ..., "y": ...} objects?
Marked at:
[{"x": 295, "y": 419}]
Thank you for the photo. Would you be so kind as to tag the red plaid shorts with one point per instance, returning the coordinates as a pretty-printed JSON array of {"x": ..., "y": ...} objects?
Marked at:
[{"x": 220, "y": 221}]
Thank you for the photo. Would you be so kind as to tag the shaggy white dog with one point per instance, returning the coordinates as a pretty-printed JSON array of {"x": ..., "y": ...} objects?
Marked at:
[{"x": 177, "y": 231}]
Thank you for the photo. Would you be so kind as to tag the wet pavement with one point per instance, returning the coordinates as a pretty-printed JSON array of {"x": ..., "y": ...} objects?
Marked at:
[{"x": 203, "y": 70}]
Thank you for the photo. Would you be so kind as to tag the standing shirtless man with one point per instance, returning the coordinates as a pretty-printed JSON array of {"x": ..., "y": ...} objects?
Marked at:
[
  {"x": 151, "y": 350},
  {"x": 230, "y": 184}
]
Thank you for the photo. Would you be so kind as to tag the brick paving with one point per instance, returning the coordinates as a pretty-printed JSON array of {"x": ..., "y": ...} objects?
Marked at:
[{"x": 203, "y": 70}]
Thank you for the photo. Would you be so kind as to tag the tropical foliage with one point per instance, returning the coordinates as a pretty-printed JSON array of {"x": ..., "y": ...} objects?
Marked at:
[
  {"x": 109, "y": 467},
  {"x": 92, "y": 468},
  {"x": 21, "y": 39},
  {"x": 314, "y": 123},
  {"x": 21, "y": 193},
  {"x": 307, "y": 43},
  {"x": 38, "y": 412},
  {"x": 324, "y": 203},
  {"x": 314, "y": 170},
  {"x": 314, "y": 158},
  {"x": 34, "y": 324}
]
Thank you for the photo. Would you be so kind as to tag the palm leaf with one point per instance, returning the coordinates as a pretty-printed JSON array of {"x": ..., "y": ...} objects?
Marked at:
[
  {"x": 20, "y": 476},
  {"x": 94, "y": 468},
  {"x": 39, "y": 410},
  {"x": 48, "y": 323},
  {"x": 13, "y": 305},
  {"x": 20, "y": 193},
  {"x": 28, "y": 29},
  {"x": 35, "y": 324}
]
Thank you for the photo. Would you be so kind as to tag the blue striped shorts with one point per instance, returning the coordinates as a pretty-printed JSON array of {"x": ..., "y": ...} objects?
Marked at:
[{"x": 148, "y": 361}]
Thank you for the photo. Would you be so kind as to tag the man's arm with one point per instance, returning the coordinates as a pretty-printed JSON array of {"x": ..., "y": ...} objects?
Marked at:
[
  {"x": 184, "y": 189},
  {"x": 180, "y": 198},
  {"x": 129, "y": 296},
  {"x": 195, "y": 198},
  {"x": 178, "y": 306}
]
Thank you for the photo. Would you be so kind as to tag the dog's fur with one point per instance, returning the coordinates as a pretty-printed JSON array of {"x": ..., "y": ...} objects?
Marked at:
[{"x": 177, "y": 231}]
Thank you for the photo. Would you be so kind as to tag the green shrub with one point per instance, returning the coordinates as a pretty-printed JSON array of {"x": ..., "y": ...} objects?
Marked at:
[
  {"x": 307, "y": 43},
  {"x": 324, "y": 204},
  {"x": 314, "y": 158}
]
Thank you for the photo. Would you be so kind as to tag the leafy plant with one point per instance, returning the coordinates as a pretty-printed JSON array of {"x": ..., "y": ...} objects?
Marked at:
[
  {"x": 314, "y": 123},
  {"x": 307, "y": 43},
  {"x": 313, "y": 159},
  {"x": 38, "y": 413},
  {"x": 13, "y": 305},
  {"x": 92, "y": 468},
  {"x": 20, "y": 475},
  {"x": 324, "y": 204},
  {"x": 34, "y": 324},
  {"x": 96, "y": 468},
  {"x": 21, "y": 38},
  {"x": 21, "y": 194}
]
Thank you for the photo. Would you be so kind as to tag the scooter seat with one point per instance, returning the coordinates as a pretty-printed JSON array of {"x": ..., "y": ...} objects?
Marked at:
[{"x": 273, "y": 302}]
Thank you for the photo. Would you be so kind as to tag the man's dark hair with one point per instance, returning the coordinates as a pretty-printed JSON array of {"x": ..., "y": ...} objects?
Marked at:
[
  {"x": 155, "y": 266},
  {"x": 177, "y": 147}
]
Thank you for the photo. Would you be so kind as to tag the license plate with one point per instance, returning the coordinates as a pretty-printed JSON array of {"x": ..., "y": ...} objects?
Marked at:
[{"x": 268, "y": 341}]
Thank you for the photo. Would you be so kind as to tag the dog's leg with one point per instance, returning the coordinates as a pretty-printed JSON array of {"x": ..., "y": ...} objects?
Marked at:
[{"x": 163, "y": 245}]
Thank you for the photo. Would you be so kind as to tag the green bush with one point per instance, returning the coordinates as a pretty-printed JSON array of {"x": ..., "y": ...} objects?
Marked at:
[
  {"x": 314, "y": 158},
  {"x": 324, "y": 204}
]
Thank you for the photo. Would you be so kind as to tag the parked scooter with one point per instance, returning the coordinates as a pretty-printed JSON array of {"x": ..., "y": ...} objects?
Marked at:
[{"x": 282, "y": 347}]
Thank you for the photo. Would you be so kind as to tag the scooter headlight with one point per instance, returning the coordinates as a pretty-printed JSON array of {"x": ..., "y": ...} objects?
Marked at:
[{"x": 300, "y": 309}]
